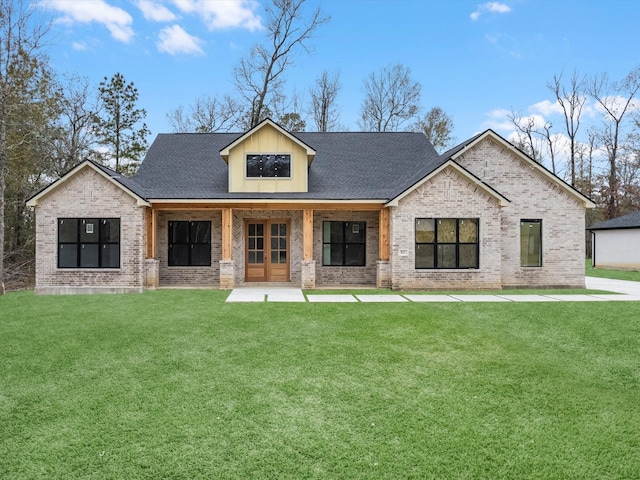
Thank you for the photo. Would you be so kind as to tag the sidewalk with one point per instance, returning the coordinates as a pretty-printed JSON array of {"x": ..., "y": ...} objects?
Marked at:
[{"x": 623, "y": 291}]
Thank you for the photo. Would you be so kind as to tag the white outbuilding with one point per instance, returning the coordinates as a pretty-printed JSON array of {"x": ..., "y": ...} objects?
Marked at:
[{"x": 616, "y": 242}]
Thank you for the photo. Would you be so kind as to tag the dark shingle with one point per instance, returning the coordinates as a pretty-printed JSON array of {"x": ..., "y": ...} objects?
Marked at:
[
  {"x": 630, "y": 220},
  {"x": 347, "y": 166}
]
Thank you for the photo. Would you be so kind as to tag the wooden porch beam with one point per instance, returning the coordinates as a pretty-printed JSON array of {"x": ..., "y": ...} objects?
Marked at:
[
  {"x": 227, "y": 233},
  {"x": 307, "y": 234},
  {"x": 384, "y": 238}
]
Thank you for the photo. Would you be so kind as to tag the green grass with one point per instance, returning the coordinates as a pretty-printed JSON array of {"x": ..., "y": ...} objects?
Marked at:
[
  {"x": 632, "y": 275},
  {"x": 179, "y": 385}
]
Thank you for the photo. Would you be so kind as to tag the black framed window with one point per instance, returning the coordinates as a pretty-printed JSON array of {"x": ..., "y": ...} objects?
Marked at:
[
  {"x": 190, "y": 243},
  {"x": 88, "y": 243},
  {"x": 447, "y": 243},
  {"x": 269, "y": 166},
  {"x": 531, "y": 243},
  {"x": 344, "y": 243}
]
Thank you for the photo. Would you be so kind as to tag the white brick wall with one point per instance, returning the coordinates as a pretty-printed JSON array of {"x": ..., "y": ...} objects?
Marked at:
[
  {"x": 532, "y": 196},
  {"x": 89, "y": 195},
  {"x": 446, "y": 195}
]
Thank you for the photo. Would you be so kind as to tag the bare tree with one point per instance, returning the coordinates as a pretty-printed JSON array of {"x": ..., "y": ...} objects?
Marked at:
[
  {"x": 392, "y": 98},
  {"x": 71, "y": 138},
  {"x": 207, "y": 115},
  {"x": 323, "y": 101},
  {"x": 259, "y": 75},
  {"x": 437, "y": 126},
  {"x": 21, "y": 62},
  {"x": 571, "y": 100},
  {"x": 616, "y": 100},
  {"x": 526, "y": 132}
]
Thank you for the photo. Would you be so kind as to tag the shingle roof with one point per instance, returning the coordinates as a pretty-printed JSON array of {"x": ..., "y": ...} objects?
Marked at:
[
  {"x": 347, "y": 166},
  {"x": 123, "y": 180},
  {"x": 630, "y": 220}
]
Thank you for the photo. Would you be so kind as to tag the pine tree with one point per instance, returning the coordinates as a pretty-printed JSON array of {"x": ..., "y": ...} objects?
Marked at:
[{"x": 117, "y": 122}]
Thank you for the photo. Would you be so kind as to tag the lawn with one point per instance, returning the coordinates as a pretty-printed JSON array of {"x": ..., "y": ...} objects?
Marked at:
[
  {"x": 179, "y": 385},
  {"x": 615, "y": 274}
]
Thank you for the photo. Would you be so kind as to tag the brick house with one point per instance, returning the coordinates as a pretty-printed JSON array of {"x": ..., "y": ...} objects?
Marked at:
[{"x": 313, "y": 210}]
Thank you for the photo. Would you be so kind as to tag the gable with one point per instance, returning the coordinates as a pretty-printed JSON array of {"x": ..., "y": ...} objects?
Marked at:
[
  {"x": 507, "y": 169},
  {"x": 452, "y": 168},
  {"x": 268, "y": 159},
  {"x": 106, "y": 174}
]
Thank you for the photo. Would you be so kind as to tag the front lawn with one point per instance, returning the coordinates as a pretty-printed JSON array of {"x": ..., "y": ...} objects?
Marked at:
[
  {"x": 180, "y": 385},
  {"x": 615, "y": 274}
]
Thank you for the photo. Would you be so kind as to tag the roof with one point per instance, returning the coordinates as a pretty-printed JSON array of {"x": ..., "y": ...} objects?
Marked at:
[
  {"x": 630, "y": 220},
  {"x": 127, "y": 184},
  {"x": 347, "y": 166}
]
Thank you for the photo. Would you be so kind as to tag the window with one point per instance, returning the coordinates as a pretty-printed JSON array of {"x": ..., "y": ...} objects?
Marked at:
[
  {"x": 343, "y": 243},
  {"x": 531, "y": 243},
  {"x": 447, "y": 243},
  {"x": 88, "y": 243},
  {"x": 269, "y": 166},
  {"x": 190, "y": 243}
]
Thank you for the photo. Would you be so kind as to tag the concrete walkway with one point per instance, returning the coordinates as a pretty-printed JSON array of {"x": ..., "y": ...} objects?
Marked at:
[{"x": 623, "y": 291}]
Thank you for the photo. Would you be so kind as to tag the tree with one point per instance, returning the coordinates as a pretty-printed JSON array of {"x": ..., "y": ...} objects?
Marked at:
[
  {"x": 116, "y": 124},
  {"x": 292, "y": 122},
  {"x": 571, "y": 100},
  {"x": 323, "y": 101},
  {"x": 70, "y": 138},
  {"x": 526, "y": 132},
  {"x": 391, "y": 99},
  {"x": 21, "y": 68},
  {"x": 207, "y": 115},
  {"x": 616, "y": 100},
  {"x": 259, "y": 76},
  {"x": 437, "y": 127}
]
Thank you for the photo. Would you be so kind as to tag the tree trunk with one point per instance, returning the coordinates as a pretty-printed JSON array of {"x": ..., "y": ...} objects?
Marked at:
[{"x": 3, "y": 169}]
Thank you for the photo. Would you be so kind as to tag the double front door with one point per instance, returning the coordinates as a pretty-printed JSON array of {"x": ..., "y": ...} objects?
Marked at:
[{"x": 267, "y": 250}]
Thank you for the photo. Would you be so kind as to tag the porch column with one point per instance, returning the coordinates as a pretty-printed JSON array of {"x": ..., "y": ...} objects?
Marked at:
[
  {"x": 226, "y": 263},
  {"x": 308, "y": 262},
  {"x": 151, "y": 263},
  {"x": 383, "y": 276}
]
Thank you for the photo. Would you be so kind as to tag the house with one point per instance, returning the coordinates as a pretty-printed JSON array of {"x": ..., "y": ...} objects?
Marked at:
[
  {"x": 616, "y": 242},
  {"x": 311, "y": 209}
]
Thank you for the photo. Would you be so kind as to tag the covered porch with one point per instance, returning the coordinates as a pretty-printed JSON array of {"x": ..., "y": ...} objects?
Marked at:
[{"x": 302, "y": 244}]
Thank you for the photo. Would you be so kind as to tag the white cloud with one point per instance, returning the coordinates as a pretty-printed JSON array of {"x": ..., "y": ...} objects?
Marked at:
[
  {"x": 115, "y": 19},
  {"x": 155, "y": 12},
  {"x": 491, "y": 7},
  {"x": 221, "y": 14},
  {"x": 547, "y": 108},
  {"x": 80, "y": 46},
  {"x": 616, "y": 104},
  {"x": 499, "y": 120},
  {"x": 497, "y": 7},
  {"x": 174, "y": 40}
]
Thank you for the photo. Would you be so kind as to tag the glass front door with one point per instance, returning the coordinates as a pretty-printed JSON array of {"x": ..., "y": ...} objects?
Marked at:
[{"x": 267, "y": 251}]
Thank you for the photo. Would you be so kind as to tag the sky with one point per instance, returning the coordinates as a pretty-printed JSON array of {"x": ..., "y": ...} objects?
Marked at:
[{"x": 476, "y": 60}]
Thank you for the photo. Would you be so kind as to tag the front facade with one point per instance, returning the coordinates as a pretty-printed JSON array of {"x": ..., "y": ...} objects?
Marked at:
[{"x": 312, "y": 210}]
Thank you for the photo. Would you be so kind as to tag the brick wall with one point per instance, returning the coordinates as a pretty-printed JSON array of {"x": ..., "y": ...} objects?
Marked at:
[
  {"x": 201, "y": 276},
  {"x": 446, "y": 195},
  {"x": 89, "y": 195},
  {"x": 338, "y": 276},
  {"x": 532, "y": 196}
]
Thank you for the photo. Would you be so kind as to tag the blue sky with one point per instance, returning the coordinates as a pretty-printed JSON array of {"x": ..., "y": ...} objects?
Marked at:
[{"x": 476, "y": 60}]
